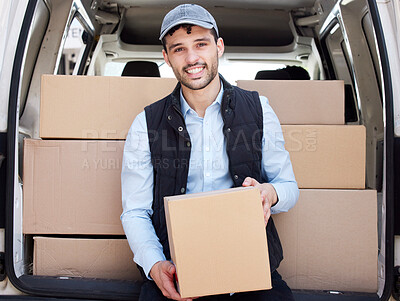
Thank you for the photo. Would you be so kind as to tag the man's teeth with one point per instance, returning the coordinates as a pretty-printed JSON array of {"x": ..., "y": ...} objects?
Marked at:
[{"x": 194, "y": 70}]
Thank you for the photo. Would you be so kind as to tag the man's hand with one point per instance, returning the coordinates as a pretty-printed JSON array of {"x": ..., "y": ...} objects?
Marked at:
[
  {"x": 163, "y": 273},
  {"x": 268, "y": 195}
]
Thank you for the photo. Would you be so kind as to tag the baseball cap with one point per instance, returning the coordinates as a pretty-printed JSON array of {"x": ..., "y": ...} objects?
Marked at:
[{"x": 188, "y": 14}]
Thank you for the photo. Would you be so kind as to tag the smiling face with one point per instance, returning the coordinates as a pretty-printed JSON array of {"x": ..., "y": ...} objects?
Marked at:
[{"x": 193, "y": 56}]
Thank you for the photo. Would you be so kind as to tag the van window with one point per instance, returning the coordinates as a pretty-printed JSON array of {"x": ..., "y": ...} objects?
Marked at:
[
  {"x": 232, "y": 71},
  {"x": 334, "y": 42},
  {"x": 74, "y": 57}
]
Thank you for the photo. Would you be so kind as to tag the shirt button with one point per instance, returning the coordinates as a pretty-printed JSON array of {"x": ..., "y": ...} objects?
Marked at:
[
  {"x": 183, "y": 189},
  {"x": 207, "y": 149},
  {"x": 180, "y": 129},
  {"x": 188, "y": 144},
  {"x": 207, "y": 174},
  {"x": 169, "y": 117},
  {"x": 236, "y": 177},
  {"x": 228, "y": 130}
]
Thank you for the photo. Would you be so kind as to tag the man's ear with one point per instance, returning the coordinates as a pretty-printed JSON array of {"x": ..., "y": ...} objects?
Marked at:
[
  {"x": 165, "y": 55},
  {"x": 220, "y": 46}
]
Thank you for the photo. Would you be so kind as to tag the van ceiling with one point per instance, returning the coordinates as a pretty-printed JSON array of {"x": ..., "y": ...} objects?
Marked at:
[
  {"x": 240, "y": 22},
  {"x": 258, "y": 4}
]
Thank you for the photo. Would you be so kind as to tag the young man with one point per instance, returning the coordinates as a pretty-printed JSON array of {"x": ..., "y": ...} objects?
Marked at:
[{"x": 206, "y": 135}]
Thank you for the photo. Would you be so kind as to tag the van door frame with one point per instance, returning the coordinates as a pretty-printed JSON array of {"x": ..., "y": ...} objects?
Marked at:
[
  {"x": 389, "y": 192},
  {"x": 43, "y": 285}
]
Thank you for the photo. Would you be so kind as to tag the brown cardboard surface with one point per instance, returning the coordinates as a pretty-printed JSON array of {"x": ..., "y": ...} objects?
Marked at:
[
  {"x": 96, "y": 107},
  {"x": 302, "y": 101},
  {"x": 72, "y": 187},
  {"x": 327, "y": 156},
  {"x": 330, "y": 241},
  {"x": 218, "y": 242},
  {"x": 87, "y": 258}
]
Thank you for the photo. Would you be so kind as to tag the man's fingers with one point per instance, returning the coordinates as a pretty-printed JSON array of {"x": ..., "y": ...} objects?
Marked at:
[
  {"x": 169, "y": 287},
  {"x": 267, "y": 214},
  {"x": 171, "y": 269},
  {"x": 249, "y": 182},
  {"x": 264, "y": 198},
  {"x": 266, "y": 207},
  {"x": 163, "y": 273}
]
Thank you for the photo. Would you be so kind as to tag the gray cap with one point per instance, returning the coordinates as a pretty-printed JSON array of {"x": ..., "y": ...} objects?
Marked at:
[{"x": 188, "y": 14}]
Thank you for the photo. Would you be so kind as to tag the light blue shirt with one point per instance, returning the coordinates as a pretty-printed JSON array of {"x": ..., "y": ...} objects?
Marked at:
[{"x": 208, "y": 170}]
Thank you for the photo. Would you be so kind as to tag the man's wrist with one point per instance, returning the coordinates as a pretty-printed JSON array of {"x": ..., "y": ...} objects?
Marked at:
[
  {"x": 275, "y": 198},
  {"x": 152, "y": 270}
]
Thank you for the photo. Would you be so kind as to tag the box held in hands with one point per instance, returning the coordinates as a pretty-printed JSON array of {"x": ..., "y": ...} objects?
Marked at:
[{"x": 218, "y": 241}]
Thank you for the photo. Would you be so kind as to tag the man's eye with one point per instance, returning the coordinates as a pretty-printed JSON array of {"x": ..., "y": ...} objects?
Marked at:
[
  {"x": 202, "y": 44},
  {"x": 178, "y": 49}
]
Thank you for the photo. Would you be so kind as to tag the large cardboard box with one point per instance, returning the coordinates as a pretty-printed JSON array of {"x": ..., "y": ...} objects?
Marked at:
[
  {"x": 72, "y": 187},
  {"x": 330, "y": 241},
  {"x": 87, "y": 258},
  {"x": 218, "y": 242},
  {"x": 96, "y": 107},
  {"x": 302, "y": 101},
  {"x": 327, "y": 156}
]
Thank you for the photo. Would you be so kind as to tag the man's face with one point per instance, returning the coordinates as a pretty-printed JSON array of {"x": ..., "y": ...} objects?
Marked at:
[{"x": 193, "y": 56}]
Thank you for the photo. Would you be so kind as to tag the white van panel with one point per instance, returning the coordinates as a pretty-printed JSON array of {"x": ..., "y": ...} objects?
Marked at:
[
  {"x": 390, "y": 18},
  {"x": 12, "y": 13}
]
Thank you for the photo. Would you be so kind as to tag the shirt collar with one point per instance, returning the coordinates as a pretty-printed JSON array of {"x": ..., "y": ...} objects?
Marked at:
[{"x": 185, "y": 108}]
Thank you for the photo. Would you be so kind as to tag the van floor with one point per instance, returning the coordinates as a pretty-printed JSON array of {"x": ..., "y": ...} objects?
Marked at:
[
  {"x": 333, "y": 296},
  {"x": 299, "y": 296}
]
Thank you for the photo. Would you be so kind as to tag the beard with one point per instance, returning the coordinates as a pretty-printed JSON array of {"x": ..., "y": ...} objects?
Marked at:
[{"x": 197, "y": 84}]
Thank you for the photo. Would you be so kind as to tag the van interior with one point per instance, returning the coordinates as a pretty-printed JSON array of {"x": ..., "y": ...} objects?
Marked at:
[{"x": 275, "y": 40}]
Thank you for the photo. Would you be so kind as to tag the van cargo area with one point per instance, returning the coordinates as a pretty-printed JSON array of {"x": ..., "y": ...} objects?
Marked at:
[{"x": 83, "y": 70}]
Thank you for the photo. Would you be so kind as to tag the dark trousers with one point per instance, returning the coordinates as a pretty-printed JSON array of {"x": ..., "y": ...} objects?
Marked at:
[{"x": 280, "y": 291}]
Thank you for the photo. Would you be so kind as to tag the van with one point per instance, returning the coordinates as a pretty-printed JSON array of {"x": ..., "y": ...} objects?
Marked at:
[{"x": 355, "y": 42}]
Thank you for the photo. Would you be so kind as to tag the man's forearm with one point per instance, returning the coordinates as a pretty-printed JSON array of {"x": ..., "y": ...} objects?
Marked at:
[{"x": 145, "y": 244}]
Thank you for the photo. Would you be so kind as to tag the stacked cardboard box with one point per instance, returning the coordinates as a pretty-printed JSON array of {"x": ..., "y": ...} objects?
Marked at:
[
  {"x": 325, "y": 153},
  {"x": 91, "y": 258},
  {"x": 330, "y": 241},
  {"x": 95, "y": 107},
  {"x": 330, "y": 237},
  {"x": 72, "y": 186}
]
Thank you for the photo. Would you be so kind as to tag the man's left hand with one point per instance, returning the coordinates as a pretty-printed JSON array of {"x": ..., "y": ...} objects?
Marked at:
[{"x": 268, "y": 195}]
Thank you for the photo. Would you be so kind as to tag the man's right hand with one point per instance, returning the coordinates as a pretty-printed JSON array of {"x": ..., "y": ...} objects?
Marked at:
[{"x": 163, "y": 273}]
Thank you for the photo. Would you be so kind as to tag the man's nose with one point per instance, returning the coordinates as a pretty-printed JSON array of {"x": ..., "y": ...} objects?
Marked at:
[{"x": 192, "y": 57}]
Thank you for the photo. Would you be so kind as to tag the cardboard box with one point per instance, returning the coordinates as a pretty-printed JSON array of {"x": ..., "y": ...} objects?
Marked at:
[
  {"x": 330, "y": 241},
  {"x": 72, "y": 187},
  {"x": 96, "y": 107},
  {"x": 218, "y": 242},
  {"x": 302, "y": 101},
  {"x": 327, "y": 156},
  {"x": 87, "y": 258}
]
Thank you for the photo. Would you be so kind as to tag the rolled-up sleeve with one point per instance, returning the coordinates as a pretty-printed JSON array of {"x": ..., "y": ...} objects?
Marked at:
[
  {"x": 137, "y": 197},
  {"x": 276, "y": 165}
]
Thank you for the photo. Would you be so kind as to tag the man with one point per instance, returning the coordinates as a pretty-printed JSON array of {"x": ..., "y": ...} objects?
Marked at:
[{"x": 206, "y": 135}]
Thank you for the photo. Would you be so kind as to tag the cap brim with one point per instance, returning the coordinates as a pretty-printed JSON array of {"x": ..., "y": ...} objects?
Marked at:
[{"x": 198, "y": 23}]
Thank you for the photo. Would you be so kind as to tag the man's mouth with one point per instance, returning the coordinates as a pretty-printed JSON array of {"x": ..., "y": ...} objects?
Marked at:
[{"x": 195, "y": 70}]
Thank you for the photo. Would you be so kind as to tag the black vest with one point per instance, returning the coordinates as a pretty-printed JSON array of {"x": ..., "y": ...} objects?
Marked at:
[{"x": 170, "y": 147}]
